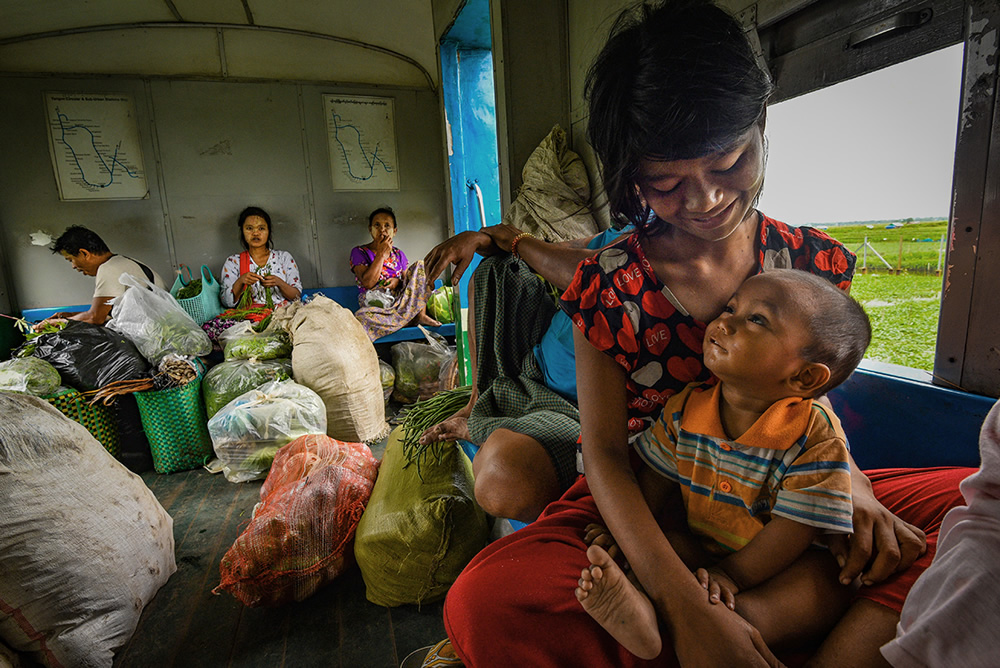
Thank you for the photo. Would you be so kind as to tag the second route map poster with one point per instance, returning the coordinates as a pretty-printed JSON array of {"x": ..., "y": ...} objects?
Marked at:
[
  {"x": 94, "y": 145},
  {"x": 362, "y": 135}
]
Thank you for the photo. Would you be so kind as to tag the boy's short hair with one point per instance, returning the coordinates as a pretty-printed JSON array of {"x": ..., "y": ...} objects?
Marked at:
[
  {"x": 77, "y": 238},
  {"x": 838, "y": 327}
]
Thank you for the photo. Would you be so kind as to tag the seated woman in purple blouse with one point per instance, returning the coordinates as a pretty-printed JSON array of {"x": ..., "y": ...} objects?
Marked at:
[{"x": 391, "y": 292}]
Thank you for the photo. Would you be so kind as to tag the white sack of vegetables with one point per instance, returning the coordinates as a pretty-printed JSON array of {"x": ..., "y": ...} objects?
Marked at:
[
  {"x": 332, "y": 355},
  {"x": 249, "y": 430},
  {"x": 155, "y": 322},
  {"x": 84, "y": 544}
]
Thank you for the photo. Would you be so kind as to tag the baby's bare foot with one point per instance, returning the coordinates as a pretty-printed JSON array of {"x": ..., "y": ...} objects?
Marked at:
[{"x": 621, "y": 609}]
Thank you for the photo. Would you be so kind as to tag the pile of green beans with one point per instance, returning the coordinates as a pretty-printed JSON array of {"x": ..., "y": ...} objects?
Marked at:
[{"x": 425, "y": 414}]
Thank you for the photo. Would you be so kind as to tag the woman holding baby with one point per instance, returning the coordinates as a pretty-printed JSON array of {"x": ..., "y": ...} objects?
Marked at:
[{"x": 677, "y": 115}]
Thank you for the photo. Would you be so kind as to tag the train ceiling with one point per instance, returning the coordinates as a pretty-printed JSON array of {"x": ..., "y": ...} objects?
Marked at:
[{"x": 380, "y": 42}]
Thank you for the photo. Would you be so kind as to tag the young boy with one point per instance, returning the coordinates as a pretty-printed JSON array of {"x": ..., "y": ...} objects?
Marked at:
[{"x": 761, "y": 466}]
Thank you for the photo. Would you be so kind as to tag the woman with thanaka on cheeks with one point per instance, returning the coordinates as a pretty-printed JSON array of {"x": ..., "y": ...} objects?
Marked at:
[
  {"x": 391, "y": 292},
  {"x": 270, "y": 275},
  {"x": 677, "y": 112}
]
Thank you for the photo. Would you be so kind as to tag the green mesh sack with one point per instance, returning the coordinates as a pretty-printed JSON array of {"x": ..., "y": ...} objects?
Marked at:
[
  {"x": 99, "y": 420},
  {"x": 419, "y": 530},
  {"x": 175, "y": 424}
]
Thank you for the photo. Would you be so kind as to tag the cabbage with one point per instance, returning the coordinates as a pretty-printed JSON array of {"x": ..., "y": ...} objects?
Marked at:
[{"x": 29, "y": 375}]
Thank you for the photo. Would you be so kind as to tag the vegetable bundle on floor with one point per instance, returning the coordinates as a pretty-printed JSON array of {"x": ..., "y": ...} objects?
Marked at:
[{"x": 301, "y": 534}]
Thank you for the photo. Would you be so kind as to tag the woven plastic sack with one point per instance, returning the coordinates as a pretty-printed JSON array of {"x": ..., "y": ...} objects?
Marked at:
[
  {"x": 84, "y": 544},
  {"x": 205, "y": 305},
  {"x": 300, "y": 535},
  {"x": 98, "y": 419},
  {"x": 332, "y": 355},
  {"x": 29, "y": 375},
  {"x": 420, "y": 529},
  {"x": 228, "y": 380},
  {"x": 155, "y": 322},
  {"x": 174, "y": 422},
  {"x": 248, "y": 431}
]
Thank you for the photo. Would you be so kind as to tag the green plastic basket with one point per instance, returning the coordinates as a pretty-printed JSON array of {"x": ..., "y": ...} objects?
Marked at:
[
  {"x": 99, "y": 420},
  {"x": 175, "y": 424}
]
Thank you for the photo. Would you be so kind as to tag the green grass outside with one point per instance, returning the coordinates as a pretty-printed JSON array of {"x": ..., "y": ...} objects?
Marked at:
[
  {"x": 921, "y": 243},
  {"x": 903, "y": 308}
]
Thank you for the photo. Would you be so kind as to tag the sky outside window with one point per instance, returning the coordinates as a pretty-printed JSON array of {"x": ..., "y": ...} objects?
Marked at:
[{"x": 878, "y": 147}]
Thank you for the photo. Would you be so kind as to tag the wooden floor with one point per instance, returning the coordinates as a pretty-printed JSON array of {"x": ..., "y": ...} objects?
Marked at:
[{"x": 187, "y": 625}]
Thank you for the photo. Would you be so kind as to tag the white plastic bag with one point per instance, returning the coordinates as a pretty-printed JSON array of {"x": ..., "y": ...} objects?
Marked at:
[
  {"x": 423, "y": 369},
  {"x": 155, "y": 322},
  {"x": 249, "y": 430}
]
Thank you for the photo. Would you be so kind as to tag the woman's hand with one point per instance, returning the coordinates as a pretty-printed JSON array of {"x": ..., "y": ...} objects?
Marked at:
[
  {"x": 391, "y": 284},
  {"x": 459, "y": 251},
  {"x": 882, "y": 544},
  {"x": 714, "y": 635},
  {"x": 246, "y": 279},
  {"x": 383, "y": 246}
]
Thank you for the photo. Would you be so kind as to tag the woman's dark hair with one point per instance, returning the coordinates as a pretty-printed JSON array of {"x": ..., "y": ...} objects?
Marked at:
[
  {"x": 676, "y": 80},
  {"x": 386, "y": 210},
  {"x": 255, "y": 211},
  {"x": 77, "y": 238}
]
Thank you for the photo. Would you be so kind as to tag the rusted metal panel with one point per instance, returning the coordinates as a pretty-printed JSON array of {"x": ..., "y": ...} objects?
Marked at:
[{"x": 969, "y": 330}]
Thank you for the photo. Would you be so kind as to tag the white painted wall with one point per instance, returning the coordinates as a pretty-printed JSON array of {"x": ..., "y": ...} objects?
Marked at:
[{"x": 210, "y": 149}]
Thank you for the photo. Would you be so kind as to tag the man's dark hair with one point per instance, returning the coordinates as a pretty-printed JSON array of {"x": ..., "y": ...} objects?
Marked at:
[
  {"x": 676, "y": 80},
  {"x": 77, "y": 238},
  {"x": 839, "y": 328},
  {"x": 386, "y": 210},
  {"x": 255, "y": 211}
]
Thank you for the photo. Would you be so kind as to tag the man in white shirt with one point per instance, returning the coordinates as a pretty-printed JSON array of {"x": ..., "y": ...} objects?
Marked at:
[{"x": 89, "y": 255}]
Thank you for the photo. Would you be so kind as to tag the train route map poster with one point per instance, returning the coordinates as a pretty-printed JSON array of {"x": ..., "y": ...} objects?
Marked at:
[
  {"x": 362, "y": 134},
  {"x": 95, "y": 147}
]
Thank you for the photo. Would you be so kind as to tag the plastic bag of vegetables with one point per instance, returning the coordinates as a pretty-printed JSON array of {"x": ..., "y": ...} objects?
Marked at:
[
  {"x": 441, "y": 303},
  {"x": 155, "y": 322},
  {"x": 301, "y": 533},
  {"x": 29, "y": 375},
  {"x": 388, "y": 377},
  {"x": 228, "y": 380},
  {"x": 422, "y": 369},
  {"x": 248, "y": 431},
  {"x": 262, "y": 346},
  {"x": 90, "y": 356}
]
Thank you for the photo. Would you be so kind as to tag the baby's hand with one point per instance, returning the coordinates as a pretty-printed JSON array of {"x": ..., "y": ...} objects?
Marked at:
[
  {"x": 720, "y": 586},
  {"x": 597, "y": 534}
]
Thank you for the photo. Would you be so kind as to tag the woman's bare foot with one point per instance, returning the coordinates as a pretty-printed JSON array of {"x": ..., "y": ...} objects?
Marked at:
[
  {"x": 425, "y": 319},
  {"x": 621, "y": 609},
  {"x": 454, "y": 428}
]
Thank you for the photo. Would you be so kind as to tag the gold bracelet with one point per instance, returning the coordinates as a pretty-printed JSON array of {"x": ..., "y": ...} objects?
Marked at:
[{"x": 516, "y": 241}]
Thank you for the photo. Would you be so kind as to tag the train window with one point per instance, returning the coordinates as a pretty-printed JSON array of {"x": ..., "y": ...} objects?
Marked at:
[{"x": 870, "y": 160}]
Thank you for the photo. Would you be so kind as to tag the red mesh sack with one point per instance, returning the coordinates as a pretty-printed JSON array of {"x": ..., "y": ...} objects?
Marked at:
[{"x": 301, "y": 532}]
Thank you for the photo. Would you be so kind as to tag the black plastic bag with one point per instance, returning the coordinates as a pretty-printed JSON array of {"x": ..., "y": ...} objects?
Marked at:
[{"x": 89, "y": 356}]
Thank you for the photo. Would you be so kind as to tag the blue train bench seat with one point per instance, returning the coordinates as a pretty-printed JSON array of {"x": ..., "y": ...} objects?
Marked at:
[{"x": 345, "y": 295}]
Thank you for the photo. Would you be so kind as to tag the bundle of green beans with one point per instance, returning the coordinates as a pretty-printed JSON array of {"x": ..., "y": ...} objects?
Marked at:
[{"x": 427, "y": 413}]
